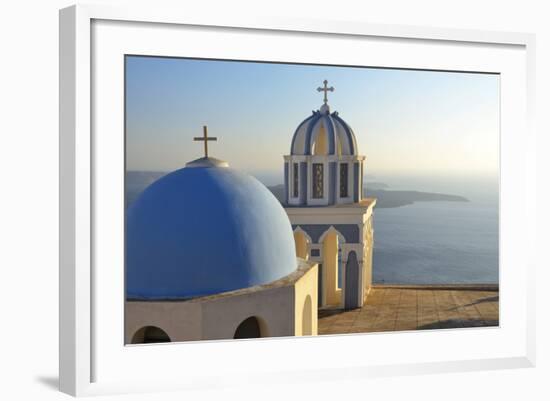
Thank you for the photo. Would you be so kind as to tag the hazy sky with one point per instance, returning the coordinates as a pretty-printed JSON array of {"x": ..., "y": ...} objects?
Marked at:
[{"x": 406, "y": 122}]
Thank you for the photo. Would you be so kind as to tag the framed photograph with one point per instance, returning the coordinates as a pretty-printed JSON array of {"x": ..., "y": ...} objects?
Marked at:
[{"x": 290, "y": 198}]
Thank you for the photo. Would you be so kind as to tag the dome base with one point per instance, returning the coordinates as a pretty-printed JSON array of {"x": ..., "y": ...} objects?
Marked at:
[{"x": 207, "y": 162}]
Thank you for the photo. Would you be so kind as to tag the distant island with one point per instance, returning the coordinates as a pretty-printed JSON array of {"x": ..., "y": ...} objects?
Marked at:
[
  {"x": 388, "y": 198},
  {"x": 376, "y": 185},
  {"x": 137, "y": 181}
]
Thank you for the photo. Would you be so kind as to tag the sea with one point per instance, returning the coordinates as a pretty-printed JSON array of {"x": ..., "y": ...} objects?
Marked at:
[
  {"x": 439, "y": 242},
  {"x": 428, "y": 242}
]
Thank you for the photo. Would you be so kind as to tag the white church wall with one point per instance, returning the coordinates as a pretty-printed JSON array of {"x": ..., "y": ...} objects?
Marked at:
[
  {"x": 274, "y": 307},
  {"x": 354, "y": 223},
  {"x": 181, "y": 320},
  {"x": 331, "y": 215}
]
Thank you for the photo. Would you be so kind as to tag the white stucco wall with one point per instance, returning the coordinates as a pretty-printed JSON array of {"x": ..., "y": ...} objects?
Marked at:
[{"x": 181, "y": 320}]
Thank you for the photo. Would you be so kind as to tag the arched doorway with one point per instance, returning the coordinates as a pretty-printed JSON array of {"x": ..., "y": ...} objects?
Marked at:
[
  {"x": 249, "y": 328},
  {"x": 302, "y": 244},
  {"x": 307, "y": 313},
  {"x": 150, "y": 335},
  {"x": 332, "y": 294},
  {"x": 352, "y": 283}
]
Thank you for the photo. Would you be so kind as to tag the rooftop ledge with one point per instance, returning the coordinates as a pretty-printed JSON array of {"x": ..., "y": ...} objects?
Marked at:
[
  {"x": 363, "y": 205},
  {"x": 303, "y": 267}
]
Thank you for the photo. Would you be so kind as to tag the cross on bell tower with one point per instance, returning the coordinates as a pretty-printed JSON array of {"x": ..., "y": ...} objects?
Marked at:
[
  {"x": 205, "y": 139},
  {"x": 325, "y": 89}
]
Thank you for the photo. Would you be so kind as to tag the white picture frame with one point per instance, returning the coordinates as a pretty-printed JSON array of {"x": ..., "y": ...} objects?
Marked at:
[{"x": 88, "y": 366}]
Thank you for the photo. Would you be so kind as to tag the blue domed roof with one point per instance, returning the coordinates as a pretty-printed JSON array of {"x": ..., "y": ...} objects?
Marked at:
[
  {"x": 205, "y": 229},
  {"x": 341, "y": 139}
]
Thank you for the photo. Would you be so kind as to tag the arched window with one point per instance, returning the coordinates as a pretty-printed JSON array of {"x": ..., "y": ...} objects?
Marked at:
[
  {"x": 295, "y": 179},
  {"x": 318, "y": 180},
  {"x": 249, "y": 328},
  {"x": 149, "y": 335}
]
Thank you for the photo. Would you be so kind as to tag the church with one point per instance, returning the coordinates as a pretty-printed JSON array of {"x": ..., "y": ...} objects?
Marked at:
[
  {"x": 212, "y": 254},
  {"x": 331, "y": 220}
]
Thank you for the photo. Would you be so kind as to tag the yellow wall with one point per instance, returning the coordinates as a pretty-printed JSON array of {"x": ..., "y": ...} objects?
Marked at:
[
  {"x": 367, "y": 257},
  {"x": 301, "y": 242},
  {"x": 306, "y": 287}
]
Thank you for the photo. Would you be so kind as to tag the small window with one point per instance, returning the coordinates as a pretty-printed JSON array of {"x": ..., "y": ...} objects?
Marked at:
[
  {"x": 295, "y": 180},
  {"x": 344, "y": 180},
  {"x": 317, "y": 180}
]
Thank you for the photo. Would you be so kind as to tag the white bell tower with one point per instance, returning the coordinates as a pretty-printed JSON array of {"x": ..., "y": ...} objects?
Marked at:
[{"x": 332, "y": 222}]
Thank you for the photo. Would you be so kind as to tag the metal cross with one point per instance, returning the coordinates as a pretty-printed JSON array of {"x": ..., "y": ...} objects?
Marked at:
[
  {"x": 325, "y": 89},
  {"x": 205, "y": 139}
]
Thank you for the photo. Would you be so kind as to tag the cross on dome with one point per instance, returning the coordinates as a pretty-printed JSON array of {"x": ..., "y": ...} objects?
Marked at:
[
  {"x": 205, "y": 139},
  {"x": 325, "y": 89}
]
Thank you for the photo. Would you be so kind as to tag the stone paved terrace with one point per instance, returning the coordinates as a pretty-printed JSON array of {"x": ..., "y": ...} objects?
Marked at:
[{"x": 393, "y": 308}]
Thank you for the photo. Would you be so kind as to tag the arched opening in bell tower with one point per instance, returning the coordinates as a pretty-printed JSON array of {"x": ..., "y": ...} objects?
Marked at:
[
  {"x": 320, "y": 142},
  {"x": 302, "y": 244}
]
